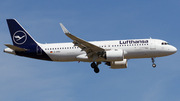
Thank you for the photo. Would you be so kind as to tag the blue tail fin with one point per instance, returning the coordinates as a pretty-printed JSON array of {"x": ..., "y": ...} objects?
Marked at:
[
  {"x": 19, "y": 35},
  {"x": 23, "y": 41}
]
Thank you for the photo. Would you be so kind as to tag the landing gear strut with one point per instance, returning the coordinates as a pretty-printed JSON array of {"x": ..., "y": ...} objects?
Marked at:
[
  {"x": 154, "y": 65},
  {"x": 95, "y": 67}
]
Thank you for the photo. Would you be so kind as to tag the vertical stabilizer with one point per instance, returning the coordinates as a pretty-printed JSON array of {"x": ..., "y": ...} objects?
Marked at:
[
  {"x": 23, "y": 43},
  {"x": 19, "y": 35}
]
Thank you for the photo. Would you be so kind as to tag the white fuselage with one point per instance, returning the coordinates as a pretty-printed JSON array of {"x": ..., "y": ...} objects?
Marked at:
[{"x": 136, "y": 48}]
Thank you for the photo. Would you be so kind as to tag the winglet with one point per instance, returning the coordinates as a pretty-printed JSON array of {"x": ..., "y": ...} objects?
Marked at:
[{"x": 64, "y": 29}]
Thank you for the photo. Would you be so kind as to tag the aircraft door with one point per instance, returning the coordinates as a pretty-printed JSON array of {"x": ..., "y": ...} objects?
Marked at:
[
  {"x": 152, "y": 44},
  {"x": 39, "y": 50}
]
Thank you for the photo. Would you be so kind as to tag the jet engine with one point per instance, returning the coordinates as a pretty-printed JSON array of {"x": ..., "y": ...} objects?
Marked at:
[
  {"x": 114, "y": 55},
  {"x": 118, "y": 64}
]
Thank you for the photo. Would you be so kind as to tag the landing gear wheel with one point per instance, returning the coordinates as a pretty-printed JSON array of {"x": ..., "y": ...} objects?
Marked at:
[
  {"x": 154, "y": 65},
  {"x": 93, "y": 65},
  {"x": 96, "y": 70}
]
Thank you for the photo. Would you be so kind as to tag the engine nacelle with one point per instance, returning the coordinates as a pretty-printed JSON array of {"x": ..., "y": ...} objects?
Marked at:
[
  {"x": 119, "y": 64},
  {"x": 115, "y": 55}
]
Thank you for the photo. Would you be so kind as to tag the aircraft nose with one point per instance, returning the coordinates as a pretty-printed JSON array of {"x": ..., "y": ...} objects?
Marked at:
[{"x": 173, "y": 49}]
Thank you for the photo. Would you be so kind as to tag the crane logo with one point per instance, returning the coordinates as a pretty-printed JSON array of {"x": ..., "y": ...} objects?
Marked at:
[{"x": 19, "y": 37}]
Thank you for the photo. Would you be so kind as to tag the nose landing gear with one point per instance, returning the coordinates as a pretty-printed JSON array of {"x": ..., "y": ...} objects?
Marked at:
[{"x": 154, "y": 65}]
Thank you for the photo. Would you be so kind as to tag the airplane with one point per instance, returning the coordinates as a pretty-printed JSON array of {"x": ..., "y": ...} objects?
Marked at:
[{"x": 114, "y": 53}]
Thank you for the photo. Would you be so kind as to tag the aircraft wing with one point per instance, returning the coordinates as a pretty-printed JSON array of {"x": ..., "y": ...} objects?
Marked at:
[{"x": 89, "y": 48}]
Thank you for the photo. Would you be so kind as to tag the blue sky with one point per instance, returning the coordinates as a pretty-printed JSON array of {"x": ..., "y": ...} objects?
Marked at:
[{"x": 24, "y": 79}]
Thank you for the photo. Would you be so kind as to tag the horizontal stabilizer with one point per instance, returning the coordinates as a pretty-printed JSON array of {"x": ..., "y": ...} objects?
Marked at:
[{"x": 15, "y": 48}]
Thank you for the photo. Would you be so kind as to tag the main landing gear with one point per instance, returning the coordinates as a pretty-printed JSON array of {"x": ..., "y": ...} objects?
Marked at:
[
  {"x": 95, "y": 66},
  {"x": 154, "y": 65}
]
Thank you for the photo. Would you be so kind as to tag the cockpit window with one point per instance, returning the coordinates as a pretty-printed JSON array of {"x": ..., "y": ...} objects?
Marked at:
[{"x": 165, "y": 43}]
